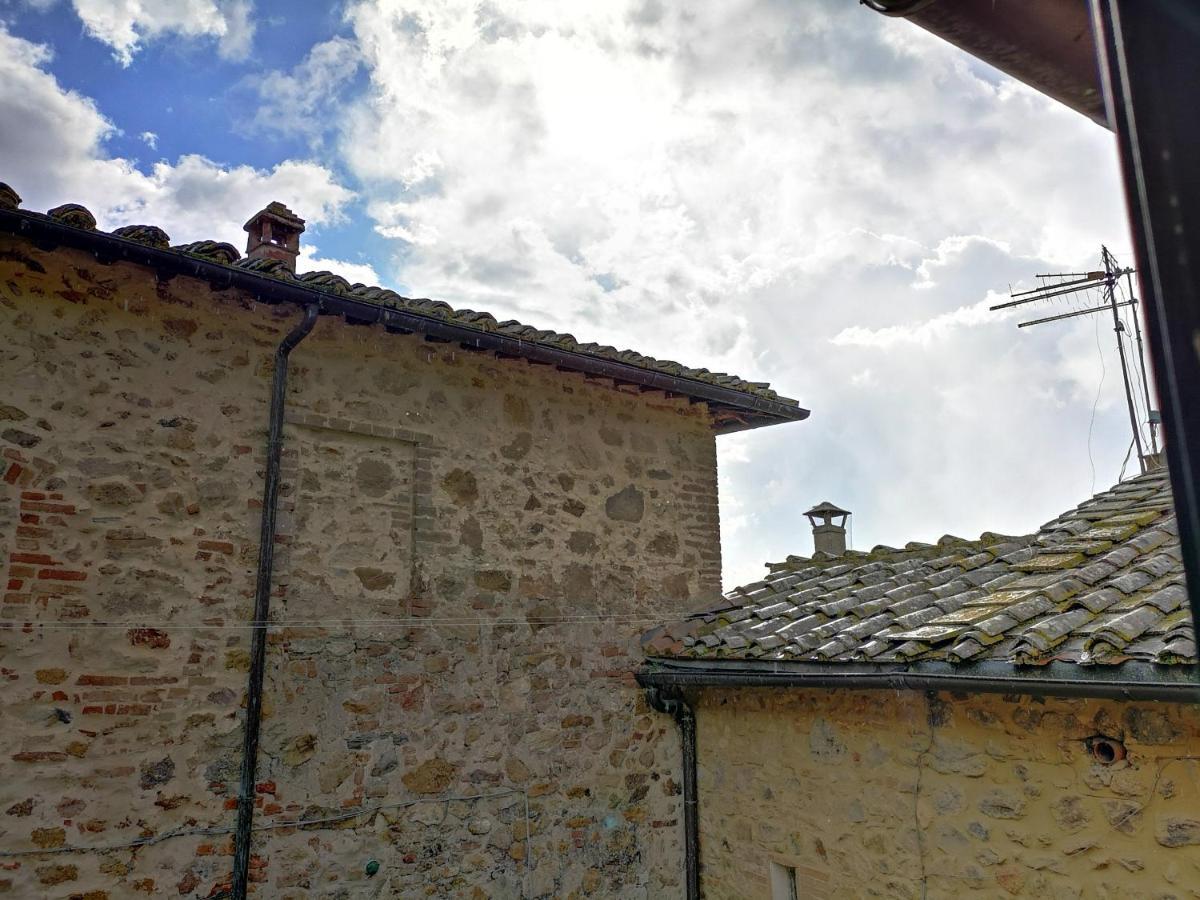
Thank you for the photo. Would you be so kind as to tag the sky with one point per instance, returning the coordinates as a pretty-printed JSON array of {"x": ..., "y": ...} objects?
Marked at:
[{"x": 806, "y": 193}]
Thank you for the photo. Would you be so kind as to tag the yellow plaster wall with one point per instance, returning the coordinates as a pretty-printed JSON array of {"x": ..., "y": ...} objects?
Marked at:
[{"x": 884, "y": 794}]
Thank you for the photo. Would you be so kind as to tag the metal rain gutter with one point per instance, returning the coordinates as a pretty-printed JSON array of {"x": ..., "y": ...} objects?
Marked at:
[
  {"x": 1139, "y": 680},
  {"x": 43, "y": 231}
]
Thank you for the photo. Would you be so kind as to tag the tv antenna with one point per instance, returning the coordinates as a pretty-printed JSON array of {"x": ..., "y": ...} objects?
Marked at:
[{"x": 1108, "y": 282}]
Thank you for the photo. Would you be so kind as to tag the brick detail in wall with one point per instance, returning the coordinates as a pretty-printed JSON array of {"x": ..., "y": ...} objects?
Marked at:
[
  {"x": 549, "y": 517},
  {"x": 41, "y": 580}
]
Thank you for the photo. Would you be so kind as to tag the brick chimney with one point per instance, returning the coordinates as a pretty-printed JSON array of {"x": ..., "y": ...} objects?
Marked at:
[
  {"x": 829, "y": 528},
  {"x": 274, "y": 233}
]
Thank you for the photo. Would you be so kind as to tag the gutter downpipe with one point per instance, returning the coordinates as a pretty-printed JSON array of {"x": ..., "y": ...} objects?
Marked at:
[
  {"x": 672, "y": 701},
  {"x": 262, "y": 602}
]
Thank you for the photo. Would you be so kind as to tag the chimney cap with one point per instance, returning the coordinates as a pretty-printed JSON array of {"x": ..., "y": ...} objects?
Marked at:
[
  {"x": 276, "y": 212},
  {"x": 825, "y": 508},
  {"x": 274, "y": 233},
  {"x": 829, "y": 528}
]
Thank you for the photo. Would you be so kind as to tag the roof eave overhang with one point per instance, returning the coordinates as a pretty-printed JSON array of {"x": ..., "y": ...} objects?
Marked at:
[
  {"x": 731, "y": 410},
  {"x": 1047, "y": 44},
  {"x": 1130, "y": 680}
]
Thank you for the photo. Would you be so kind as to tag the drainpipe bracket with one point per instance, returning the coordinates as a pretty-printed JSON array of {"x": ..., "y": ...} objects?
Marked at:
[{"x": 664, "y": 699}]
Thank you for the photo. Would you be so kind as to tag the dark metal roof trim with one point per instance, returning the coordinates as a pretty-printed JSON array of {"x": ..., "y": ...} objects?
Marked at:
[
  {"x": 1150, "y": 56},
  {"x": 1132, "y": 680},
  {"x": 747, "y": 411},
  {"x": 1047, "y": 44}
]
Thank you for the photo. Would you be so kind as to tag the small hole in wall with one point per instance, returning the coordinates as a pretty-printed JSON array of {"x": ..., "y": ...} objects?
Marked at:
[{"x": 1106, "y": 750}]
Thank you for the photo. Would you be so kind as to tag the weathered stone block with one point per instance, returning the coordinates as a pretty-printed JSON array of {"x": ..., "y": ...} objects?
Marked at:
[
  {"x": 431, "y": 777},
  {"x": 627, "y": 505}
]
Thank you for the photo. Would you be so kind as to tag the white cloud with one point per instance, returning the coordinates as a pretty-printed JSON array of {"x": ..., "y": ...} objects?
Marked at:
[
  {"x": 922, "y": 334},
  {"x": 736, "y": 184},
  {"x": 196, "y": 197},
  {"x": 310, "y": 261},
  {"x": 57, "y": 155},
  {"x": 304, "y": 101},
  {"x": 124, "y": 25},
  {"x": 809, "y": 194},
  {"x": 865, "y": 378},
  {"x": 150, "y": 139}
]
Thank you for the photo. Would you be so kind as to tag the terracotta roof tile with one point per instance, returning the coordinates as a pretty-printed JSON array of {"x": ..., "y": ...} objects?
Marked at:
[
  {"x": 1100, "y": 584},
  {"x": 77, "y": 216}
]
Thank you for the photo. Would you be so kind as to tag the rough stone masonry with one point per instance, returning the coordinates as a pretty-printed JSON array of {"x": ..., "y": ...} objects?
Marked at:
[{"x": 469, "y": 547}]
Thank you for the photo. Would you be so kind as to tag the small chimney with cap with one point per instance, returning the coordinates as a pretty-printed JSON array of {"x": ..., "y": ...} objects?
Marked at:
[
  {"x": 274, "y": 233},
  {"x": 829, "y": 528}
]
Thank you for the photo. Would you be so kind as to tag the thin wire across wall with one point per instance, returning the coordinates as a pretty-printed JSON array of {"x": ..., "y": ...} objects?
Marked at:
[
  {"x": 326, "y": 625},
  {"x": 150, "y": 840}
]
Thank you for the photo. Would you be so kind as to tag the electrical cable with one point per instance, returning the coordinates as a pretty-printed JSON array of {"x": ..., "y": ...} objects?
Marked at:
[
  {"x": 325, "y": 624},
  {"x": 1096, "y": 403},
  {"x": 268, "y": 826},
  {"x": 1125, "y": 462},
  {"x": 1142, "y": 393},
  {"x": 1139, "y": 404}
]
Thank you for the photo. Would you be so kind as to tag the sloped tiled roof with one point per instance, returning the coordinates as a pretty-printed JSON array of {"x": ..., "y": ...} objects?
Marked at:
[
  {"x": 1098, "y": 585},
  {"x": 225, "y": 254}
]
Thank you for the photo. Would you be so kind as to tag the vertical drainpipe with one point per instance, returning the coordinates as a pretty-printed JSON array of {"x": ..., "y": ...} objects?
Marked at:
[
  {"x": 675, "y": 704},
  {"x": 262, "y": 602}
]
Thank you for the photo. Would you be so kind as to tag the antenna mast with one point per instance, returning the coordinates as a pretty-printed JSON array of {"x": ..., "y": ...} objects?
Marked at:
[{"x": 1107, "y": 281}]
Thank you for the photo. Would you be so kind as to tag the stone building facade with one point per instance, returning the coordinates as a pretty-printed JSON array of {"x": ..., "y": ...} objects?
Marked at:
[
  {"x": 1004, "y": 716},
  {"x": 469, "y": 544},
  {"x": 904, "y": 794}
]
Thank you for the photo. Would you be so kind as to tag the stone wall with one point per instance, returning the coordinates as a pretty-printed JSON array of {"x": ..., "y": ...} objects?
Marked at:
[
  {"x": 885, "y": 794},
  {"x": 469, "y": 548}
]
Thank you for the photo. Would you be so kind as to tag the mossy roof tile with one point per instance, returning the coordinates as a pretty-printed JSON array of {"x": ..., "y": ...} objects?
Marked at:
[
  {"x": 1130, "y": 582},
  {"x": 918, "y": 617},
  {"x": 1122, "y": 629},
  {"x": 1051, "y": 561},
  {"x": 1062, "y": 594},
  {"x": 1157, "y": 566},
  {"x": 1095, "y": 601},
  {"x": 1167, "y": 599}
]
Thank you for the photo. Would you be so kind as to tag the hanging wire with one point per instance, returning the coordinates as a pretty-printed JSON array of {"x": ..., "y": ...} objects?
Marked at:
[
  {"x": 642, "y": 617},
  {"x": 1096, "y": 403},
  {"x": 150, "y": 840},
  {"x": 1125, "y": 461},
  {"x": 1143, "y": 389},
  {"x": 1129, "y": 317},
  {"x": 1142, "y": 412}
]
